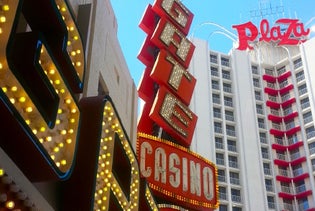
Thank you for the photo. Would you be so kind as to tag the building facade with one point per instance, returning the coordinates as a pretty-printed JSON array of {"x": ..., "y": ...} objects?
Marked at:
[
  {"x": 88, "y": 30},
  {"x": 256, "y": 121}
]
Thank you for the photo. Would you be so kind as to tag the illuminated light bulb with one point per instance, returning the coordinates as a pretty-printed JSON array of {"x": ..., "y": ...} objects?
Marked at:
[
  {"x": 71, "y": 28},
  {"x": 63, "y": 132},
  {"x": 1, "y": 31},
  {"x": 10, "y": 205},
  {"x": 1, "y": 65},
  {"x": 34, "y": 131},
  {"x": 56, "y": 149},
  {"x": 5, "y": 7},
  {"x": 29, "y": 109},
  {"x": 63, "y": 162},
  {"x": 3, "y": 19},
  {"x": 63, "y": 9},
  {"x": 4, "y": 89},
  {"x": 27, "y": 121},
  {"x": 78, "y": 51},
  {"x": 48, "y": 138},
  {"x": 42, "y": 129},
  {"x": 69, "y": 43},
  {"x": 70, "y": 131},
  {"x": 58, "y": 164},
  {"x": 59, "y": 111},
  {"x": 52, "y": 157},
  {"x": 73, "y": 110},
  {"x": 76, "y": 37},
  {"x": 1, "y": 172},
  {"x": 22, "y": 99},
  {"x": 12, "y": 100},
  {"x": 58, "y": 121},
  {"x": 52, "y": 71},
  {"x": 14, "y": 88},
  {"x": 62, "y": 91},
  {"x": 61, "y": 145},
  {"x": 41, "y": 140},
  {"x": 69, "y": 141},
  {"x": 57, "y": 81},
  {"x": 72, "y": 120},
  {"x": 73, "y": 53},
  {"x": 68, "y": 101}
]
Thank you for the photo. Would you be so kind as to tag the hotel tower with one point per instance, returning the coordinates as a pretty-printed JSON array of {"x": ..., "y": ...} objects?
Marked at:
[{"x": 255, "y": 113}]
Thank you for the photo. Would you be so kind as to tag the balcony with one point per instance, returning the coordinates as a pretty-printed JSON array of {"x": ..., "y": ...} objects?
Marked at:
[
  {"x": 236, "y": 198},
  {"x": 235, "y": 181},
  {"x": 220, "y": 161},
  {"x": 221, "y": 178},
  {"x": 233, "y": 164}
]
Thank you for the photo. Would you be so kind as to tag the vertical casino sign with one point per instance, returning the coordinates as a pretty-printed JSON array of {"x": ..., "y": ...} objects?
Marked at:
[
  {"x": 166, "y": 125},
  {"x": 48, "y": 133}
]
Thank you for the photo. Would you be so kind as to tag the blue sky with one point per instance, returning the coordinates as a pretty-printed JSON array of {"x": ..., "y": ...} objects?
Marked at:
[{"x": 224, "y": 12}]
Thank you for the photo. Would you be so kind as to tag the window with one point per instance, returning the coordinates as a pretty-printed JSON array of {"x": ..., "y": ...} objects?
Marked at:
[
  {"x": 215, "y": 85},
  {"x": 264, "y": 153},
  {"x": 226, "y": 74},
  {"x": 234, "y": 178},
  {"x": 281, "y": 70},
  {"x": 268, "y": 184},
  {"x": 213, "y": 58},
  {"x": 216, "y": 98},
  {"x": 256, "y": 82},
  {"x": 289, "y": 125},
  {"x": 225, "y": 62},
  {"x": 254, "y": 69},
  {"x": 261, "y": 123},
  {"x": 258, "y": 95},
  {"x": 217, "y": 127},
  {"x": 313, "y": 164},
  {"x": 232, "y": 145},
  {"x": 227, "y": 87},
  {"x": 219, "y": 143},
  {"x": 311, "y": 147},
  {"x": 303, "y": 204},
  {"x": 223, "y": 207},
  {"x": 228, "y": 101},
  {"x": 305, "y": 103},
  {"x": 233, "y": 161},
  {"x": 307, "y": 117},
  {"x": 236, "y": 195},
  {"x": 271, "y": 202},
  {"x": 266, "y": 167},
  {"x": 217, "y": 112},
  {"x": 259, "y": 109},
  {"x": 263, "y": 137},
  {"x": 302, "y": 89},
  {"x": 287, "y": 111},
  {"x": 300, "y": 186},
  {"x": 222, "y": 193},
  {"x": 300, "y": 76},
  {"x": 219, "y": 159},
  {"x": 221, "y": 175},
  {"x": 229, "y": 115},
  {"x": 283, "y": 83},
  {"x": 236, "y": 209},
  {"x": 310, "y": 132},
  {"x": 214, "y": 71},
  {"x": 297, "y": 63},
  {"x": 230, "y": 130},
  {"x": 269, "y": 72}
]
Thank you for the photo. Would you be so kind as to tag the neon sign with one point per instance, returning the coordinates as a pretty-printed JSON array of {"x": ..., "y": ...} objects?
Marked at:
[
  {"x": 292, "y": 33},
  {"x": 176, "y": 175}
]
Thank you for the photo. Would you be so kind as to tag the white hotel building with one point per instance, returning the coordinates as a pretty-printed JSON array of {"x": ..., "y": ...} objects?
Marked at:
[{"x": 256, "y": 123}]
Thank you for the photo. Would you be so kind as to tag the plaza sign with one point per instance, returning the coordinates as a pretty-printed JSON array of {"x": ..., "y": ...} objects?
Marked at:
[{"x": 285, "y": 32}]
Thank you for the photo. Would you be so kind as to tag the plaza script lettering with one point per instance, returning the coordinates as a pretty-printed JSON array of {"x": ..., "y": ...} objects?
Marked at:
[{"x": 294, "y": 34}]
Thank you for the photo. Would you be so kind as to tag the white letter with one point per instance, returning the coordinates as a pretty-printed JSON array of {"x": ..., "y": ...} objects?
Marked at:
[
  {"x": 160, "y": 165},
  {"x": 174, "y": 160},
  {"x": 208, "y": 183},
  {"x": 195, "y": 183},
  {"x": 145, "y": 148}
]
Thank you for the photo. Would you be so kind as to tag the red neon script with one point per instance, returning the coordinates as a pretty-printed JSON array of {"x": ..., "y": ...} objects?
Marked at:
[{"x": 292, "y": 34}]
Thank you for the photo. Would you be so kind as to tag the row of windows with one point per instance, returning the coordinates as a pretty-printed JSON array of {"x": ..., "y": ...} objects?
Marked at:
[
  {"x": 226, "y": 86},
  {"x": 224, "y": 61}
]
